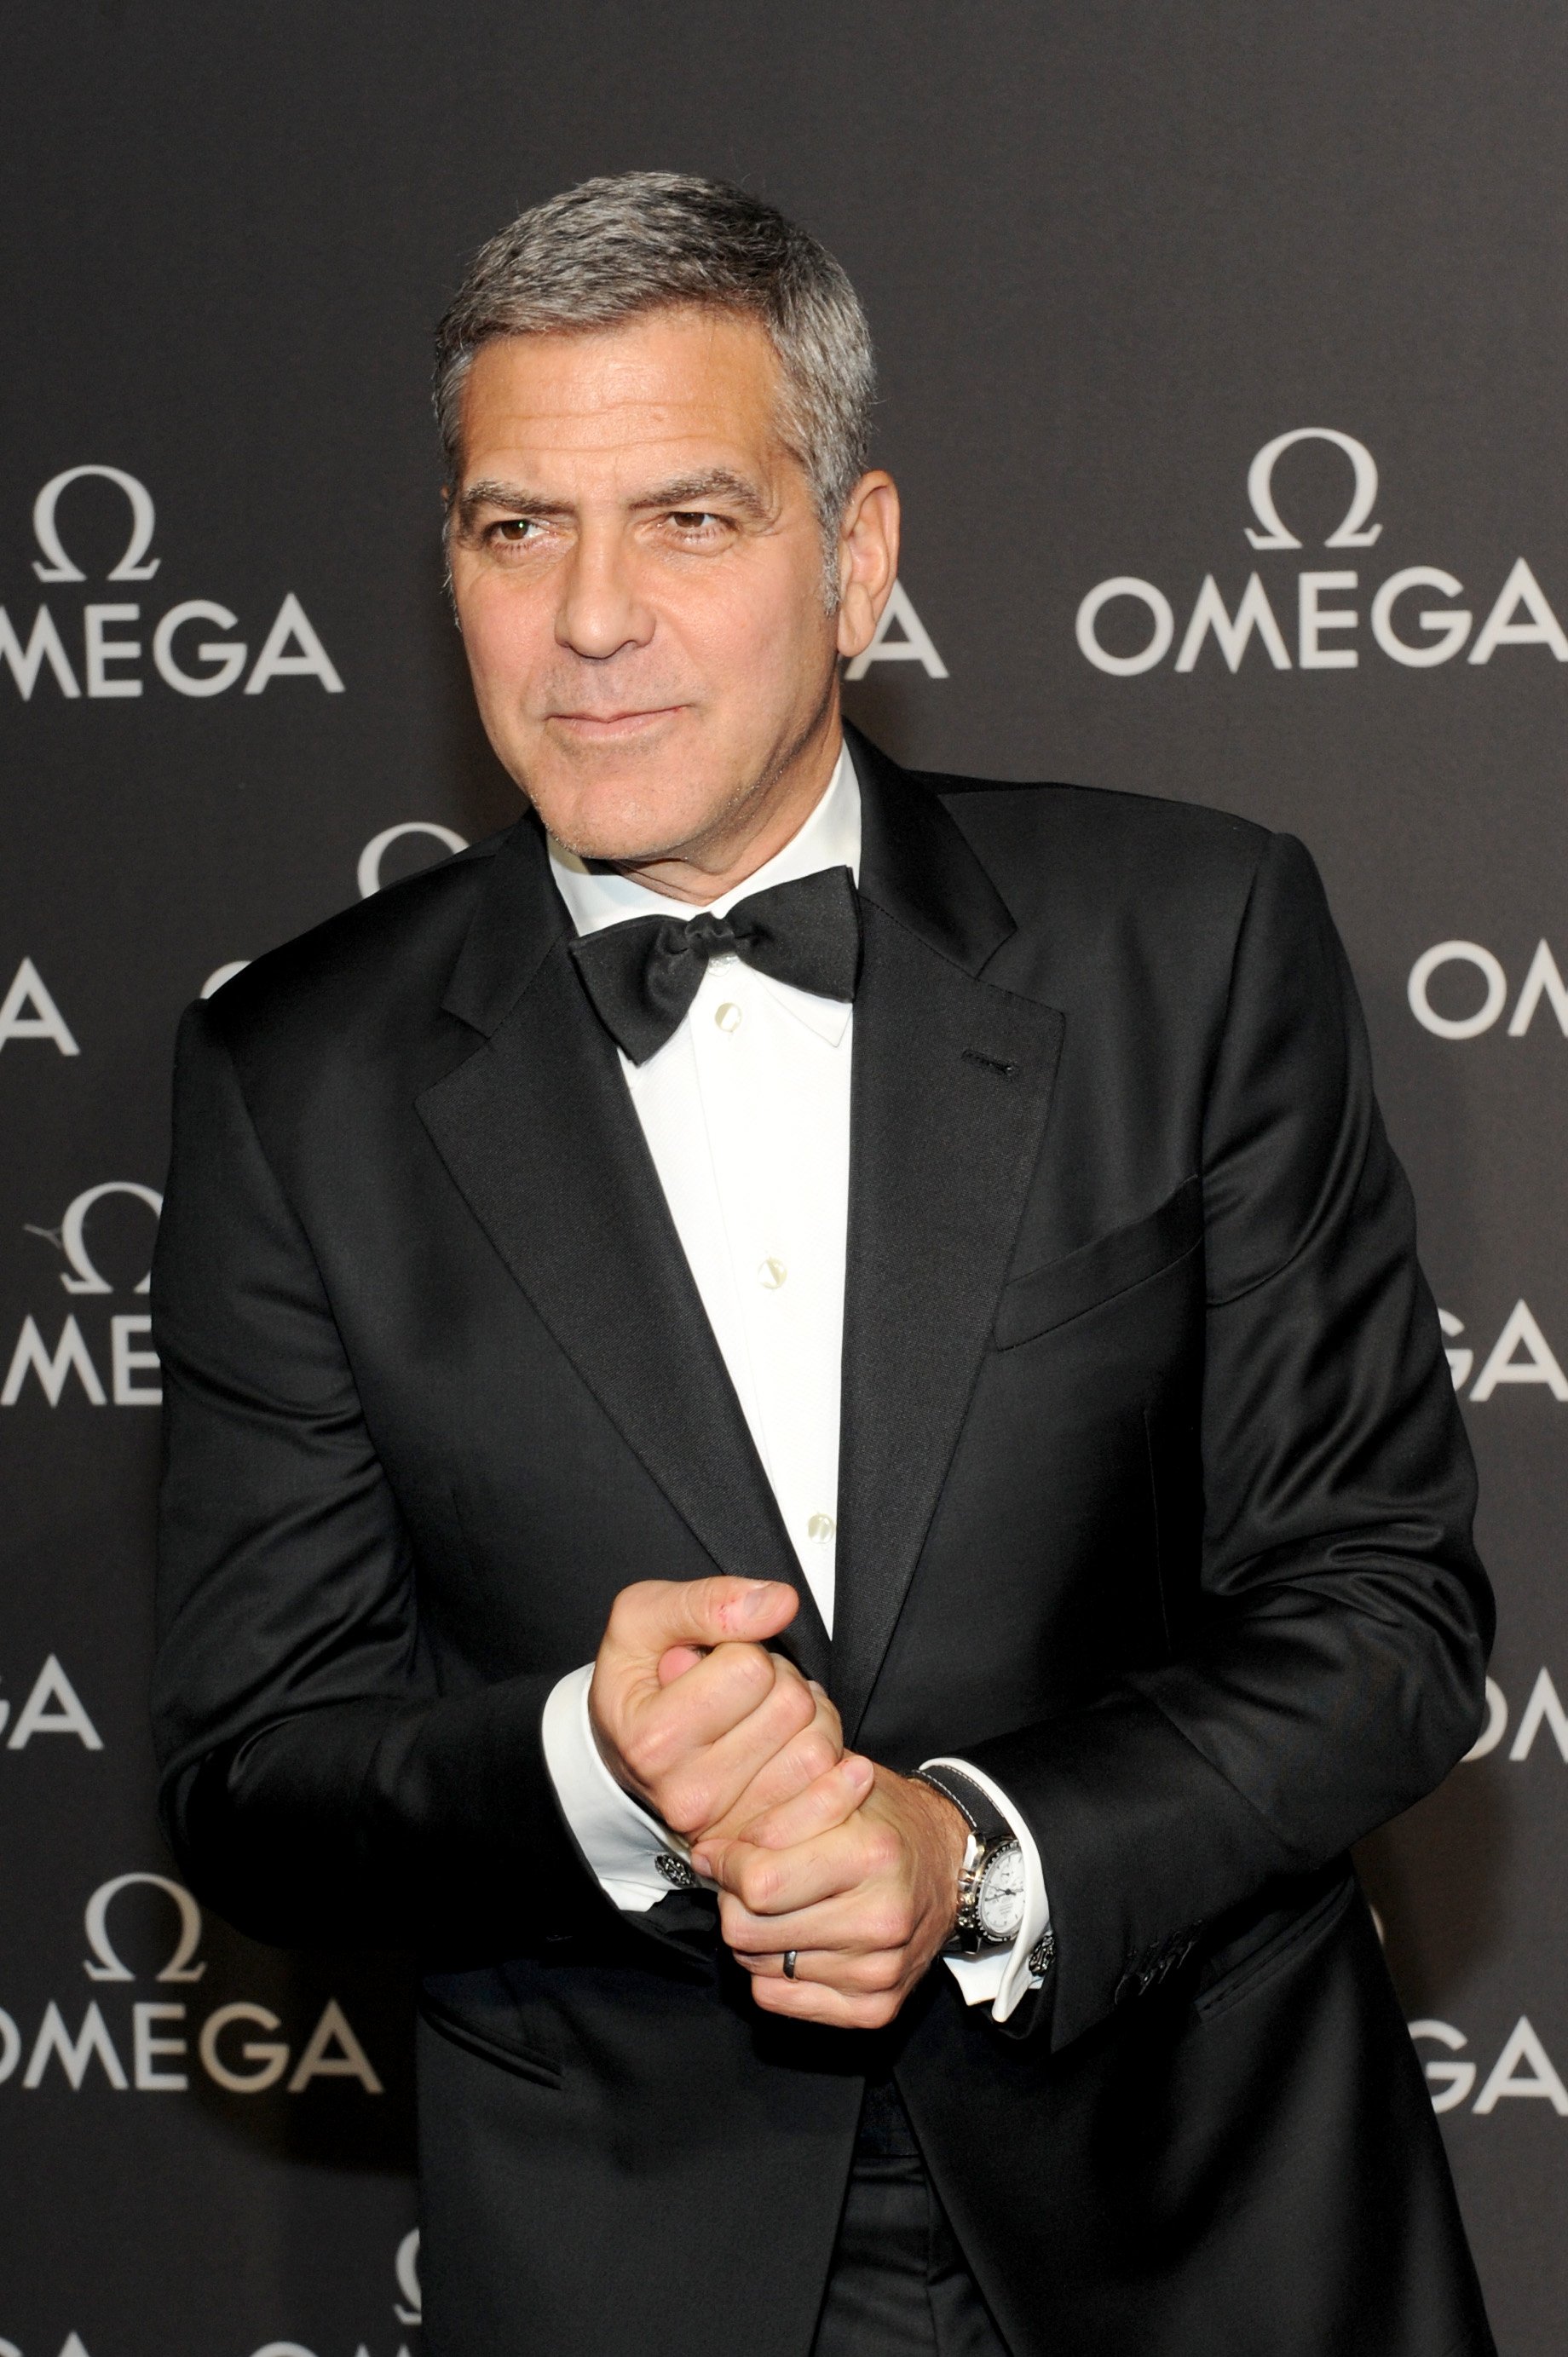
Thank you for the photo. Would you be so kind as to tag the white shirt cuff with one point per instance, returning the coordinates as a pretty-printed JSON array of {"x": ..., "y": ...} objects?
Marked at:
[
  {"x": 615, "y": 1832},
  {"x": 1003, "y": 1978}
]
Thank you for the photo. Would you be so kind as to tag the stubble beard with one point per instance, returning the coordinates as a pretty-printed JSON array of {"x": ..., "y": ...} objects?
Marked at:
[{"x": 716, "y": 823}]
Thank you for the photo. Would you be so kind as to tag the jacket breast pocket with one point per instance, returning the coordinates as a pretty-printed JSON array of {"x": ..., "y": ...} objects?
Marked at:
[{"x": 1111, "y": 1264}]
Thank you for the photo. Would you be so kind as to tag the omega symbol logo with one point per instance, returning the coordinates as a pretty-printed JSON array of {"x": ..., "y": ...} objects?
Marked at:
[
  {"x": 46, "y": 528},
  {"x": 71, "y": 1235},
  {"x": 1363, "y": 499},
  {"x": 109, "y": 1965}
]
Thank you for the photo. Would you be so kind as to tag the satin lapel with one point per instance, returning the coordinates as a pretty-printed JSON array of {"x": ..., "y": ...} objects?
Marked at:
[
  {"x": 952, "y": 1084},
  {"x": 539, "y": 1134}
]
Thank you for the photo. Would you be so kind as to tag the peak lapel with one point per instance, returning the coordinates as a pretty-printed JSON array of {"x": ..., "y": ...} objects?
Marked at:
[
  {"x": 952, "y": 1084},
  {"x": 539, "y": 1135}
]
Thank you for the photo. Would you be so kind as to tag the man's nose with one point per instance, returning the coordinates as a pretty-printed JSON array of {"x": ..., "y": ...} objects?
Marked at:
[{"x": 601, "y": 609}]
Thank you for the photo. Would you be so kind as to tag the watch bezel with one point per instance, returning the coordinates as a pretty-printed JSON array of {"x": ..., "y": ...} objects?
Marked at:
[
  {"x": 996, "y": 1851},
  {"x": 969, "y": 1936}
]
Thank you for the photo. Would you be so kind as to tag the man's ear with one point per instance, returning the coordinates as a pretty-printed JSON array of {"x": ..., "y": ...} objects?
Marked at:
[{"x": 868, "y": 559}]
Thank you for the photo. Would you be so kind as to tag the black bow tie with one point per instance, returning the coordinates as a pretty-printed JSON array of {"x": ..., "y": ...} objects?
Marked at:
[{"x": 643, "y": 974}]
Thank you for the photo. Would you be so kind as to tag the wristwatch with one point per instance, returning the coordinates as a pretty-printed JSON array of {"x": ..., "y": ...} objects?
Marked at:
[{"x": 991, "y": 1879}]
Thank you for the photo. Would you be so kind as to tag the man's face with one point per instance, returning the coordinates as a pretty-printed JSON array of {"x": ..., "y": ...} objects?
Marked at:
[{"x": 637, "y": 568}]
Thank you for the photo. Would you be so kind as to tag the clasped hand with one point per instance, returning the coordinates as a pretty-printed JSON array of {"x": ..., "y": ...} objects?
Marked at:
[{"x": 815, "y": 1849}]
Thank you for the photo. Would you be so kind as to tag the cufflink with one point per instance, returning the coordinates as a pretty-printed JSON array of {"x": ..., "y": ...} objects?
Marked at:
[
  {"x": 1042, "y": 1955},
  {"x": 675, "y": 1870}
]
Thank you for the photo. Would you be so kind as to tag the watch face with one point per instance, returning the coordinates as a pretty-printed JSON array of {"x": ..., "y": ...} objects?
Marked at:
[{"x": 1001, "y": 1906}]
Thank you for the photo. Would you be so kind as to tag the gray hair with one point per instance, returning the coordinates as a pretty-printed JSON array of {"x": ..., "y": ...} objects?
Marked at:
[{"x": 611, "y": 248}]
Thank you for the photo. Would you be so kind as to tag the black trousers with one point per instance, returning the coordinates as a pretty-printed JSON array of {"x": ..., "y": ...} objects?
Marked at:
[{"x": 898, "y": 2287}]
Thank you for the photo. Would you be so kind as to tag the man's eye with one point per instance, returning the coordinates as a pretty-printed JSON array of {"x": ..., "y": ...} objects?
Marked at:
[
  {"x": 693, "y": 519},
  {"x": 513, "y": 529}
]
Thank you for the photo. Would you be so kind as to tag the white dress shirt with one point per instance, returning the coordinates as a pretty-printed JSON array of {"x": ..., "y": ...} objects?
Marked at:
[{"x": 746, "y": 1110}]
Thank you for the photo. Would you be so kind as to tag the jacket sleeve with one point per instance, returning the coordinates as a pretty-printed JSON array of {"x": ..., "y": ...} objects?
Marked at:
[
  {"x": 1332, "y": 1670},
  {"x": 314, "y": 1784}
]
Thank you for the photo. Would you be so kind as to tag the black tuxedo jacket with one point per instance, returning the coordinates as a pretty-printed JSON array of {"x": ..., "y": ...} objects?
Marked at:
[{"x": 1154, "y": 1504}]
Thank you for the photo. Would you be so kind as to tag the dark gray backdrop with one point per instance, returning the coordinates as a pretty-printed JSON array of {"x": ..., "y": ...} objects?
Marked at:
[{"x": 1109, "y": 254}]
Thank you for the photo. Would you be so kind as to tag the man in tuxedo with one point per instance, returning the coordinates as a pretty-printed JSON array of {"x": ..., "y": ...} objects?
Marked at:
[{"x": 804, "y": 1443}]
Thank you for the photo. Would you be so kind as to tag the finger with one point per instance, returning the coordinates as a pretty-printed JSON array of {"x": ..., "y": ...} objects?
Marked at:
[
  {"x": 777, "y": 1882},
  {"x": 856, "y": 1922},
  {"x": 675, "y": 1662},
  {"x": 782, "y": 1773},
  {"x": 664, "y": 1725},
  {"x": 827, "y": 1712},
  {"x": 869, "y": 1975},
  {"x": 791, "y": 1771},
  {"x": 706, "y": 1782},
  {"x": 827, "y": 1802},
  {"x": 811, "y": 2001},
  {"x": 654, "y": 1614}
]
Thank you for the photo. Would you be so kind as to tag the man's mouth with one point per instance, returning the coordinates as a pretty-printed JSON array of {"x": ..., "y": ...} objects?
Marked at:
[{"x": 602, "y": 727}]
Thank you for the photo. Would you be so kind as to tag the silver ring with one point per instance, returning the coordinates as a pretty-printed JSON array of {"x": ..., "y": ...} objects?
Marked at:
[{"x": 791, "y": 1955}]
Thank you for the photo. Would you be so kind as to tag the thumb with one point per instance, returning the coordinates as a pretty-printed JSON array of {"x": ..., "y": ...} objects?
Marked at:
[{"x": 657, "y": 1614}]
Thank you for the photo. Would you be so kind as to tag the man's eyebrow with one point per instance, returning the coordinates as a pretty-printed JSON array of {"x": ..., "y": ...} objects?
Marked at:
[
  {"x": 515, "y": 498},
  {"x": 713, "y": 483},
  {"x": 681, "y": 491}
]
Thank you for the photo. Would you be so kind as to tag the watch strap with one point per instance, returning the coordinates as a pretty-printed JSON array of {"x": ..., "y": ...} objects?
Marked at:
[{"x": 973, "y": 1803}]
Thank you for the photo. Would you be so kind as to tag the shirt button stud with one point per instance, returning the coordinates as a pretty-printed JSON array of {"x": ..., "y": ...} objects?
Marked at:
[
  {"x": 771, "y": 1272},
  {"x": 727, "y": 1017},
  {"x": 821, "y": 1527}
]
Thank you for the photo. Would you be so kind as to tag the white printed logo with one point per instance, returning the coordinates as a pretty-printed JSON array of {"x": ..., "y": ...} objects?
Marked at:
[
  {"x": 1523, "y": 2070},
  {"x": 112, "y": 650},
  {"x": 70, "y": 1367},
  {"x": 1319, "y": 633},
  {"x": 52, "y": 1706},
  {"x": 1542, "y": 1711},
  {"x": 1459, "y": 963},
  {"x": 1521, "y": 1354},
  {"x": 45, "y": 531},
  {"x": 28, "y": 1011},
  {"x": 163, "y": 2043},
  {"x": 1363, "y": 498}
]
